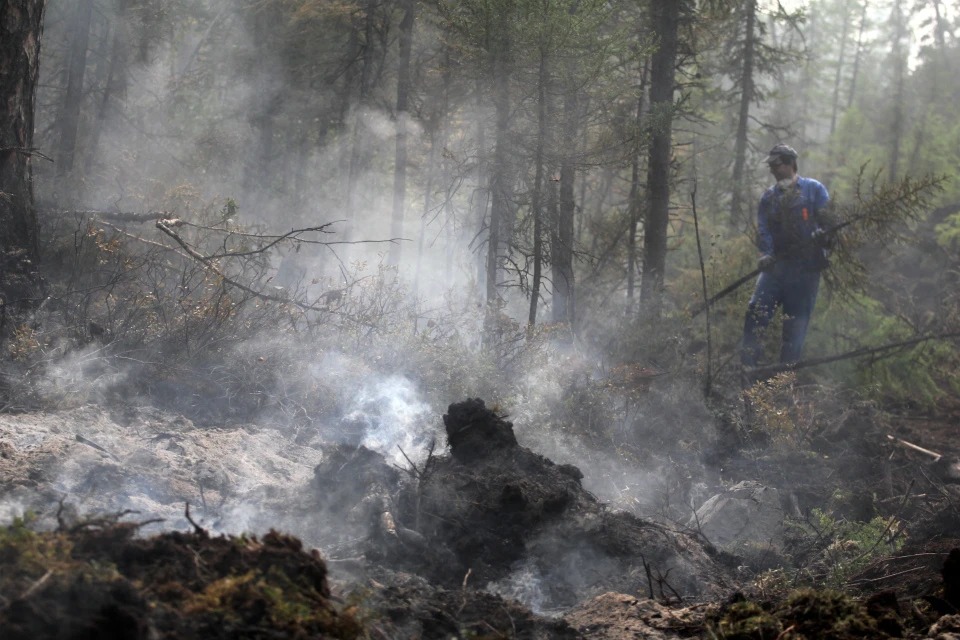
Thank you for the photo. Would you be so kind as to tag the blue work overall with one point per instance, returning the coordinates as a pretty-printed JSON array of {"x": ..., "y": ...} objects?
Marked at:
[{"x": 786, "y": 219}]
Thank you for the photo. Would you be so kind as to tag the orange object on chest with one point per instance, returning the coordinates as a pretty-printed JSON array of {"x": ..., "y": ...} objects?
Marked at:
[{"x": 805, "y": 214}]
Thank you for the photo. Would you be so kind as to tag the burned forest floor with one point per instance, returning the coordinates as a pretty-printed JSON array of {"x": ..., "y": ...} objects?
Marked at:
[{"x": 137, "y": 523}]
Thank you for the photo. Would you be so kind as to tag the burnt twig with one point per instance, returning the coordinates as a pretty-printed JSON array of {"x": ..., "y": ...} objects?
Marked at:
[
  {"x": 196, "y": 528},
  {"x": 706, "y": 299}
]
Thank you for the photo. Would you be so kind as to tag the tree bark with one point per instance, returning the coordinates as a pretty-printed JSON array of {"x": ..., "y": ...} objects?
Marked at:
[
  {"x": 899, "y": 73},
  {"x": 21, "y": 25},
  {"x": 400, "y": 160},
  {"x": 856, "y": 58},
  {"x": 635, "y": 206},
  {"x": 746, "y": 96},
  {"x": 359, "y": 152},
  {"x": 564, "y": 300},
  {"x": 500, "y": 178},
  {"x": 73, "y": 99},
  {"x": 536, "y": 198},
  {"x": 116, "y": 81},
  {"x": 481, "y": 194},
  {"x": 836, "y": 82},
  {"x": 658, "y": 168}
]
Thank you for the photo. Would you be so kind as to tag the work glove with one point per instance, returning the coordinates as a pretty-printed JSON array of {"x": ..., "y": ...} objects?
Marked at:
[
  {"x": 821, "y": 238},
  {"x": 765, "y": 262}
]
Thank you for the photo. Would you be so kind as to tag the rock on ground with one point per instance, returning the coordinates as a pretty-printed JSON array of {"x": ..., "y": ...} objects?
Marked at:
[{"x": 748, "y": 512}]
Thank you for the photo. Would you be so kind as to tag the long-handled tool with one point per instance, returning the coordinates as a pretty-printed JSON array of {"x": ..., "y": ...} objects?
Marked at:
[{"x": 733, "y": 286}]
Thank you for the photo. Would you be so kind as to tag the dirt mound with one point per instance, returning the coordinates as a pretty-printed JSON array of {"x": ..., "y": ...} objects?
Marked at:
[
  {"x": 521, "y": 525},
  {"x": 102, "y": 582}
]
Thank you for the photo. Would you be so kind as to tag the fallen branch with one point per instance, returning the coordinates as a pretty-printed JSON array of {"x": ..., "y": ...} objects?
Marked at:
[
  {"x": 121, "y": 216},
  {"x": 25, "y": 152},
  {"x": 936, "y": 456},
  {"x": 703, "y": 280},
  {"x": 91, "y": 443},
  {"x": 774, "y": 369},
  {"x": 892, "y": 575}
]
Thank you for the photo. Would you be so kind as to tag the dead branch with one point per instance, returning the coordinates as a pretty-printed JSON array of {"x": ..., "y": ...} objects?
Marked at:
[
  {"x": 140, "y": 239},
  {"x": 292, "y": 235},
  {"x": 209, "y": 264},
  {"x": 121, "y": 216},
  {"x": 61, "y": 523},
  {"x": 25, "y": 152},
  {"x": 903, "y": 503},
  {"x": 162, "y": 226},
  {"x": 706, "y": 298},
  {"x": 936, "y": 456},
  {"x": 200, "y": 531},
  {"x": 646, "y": 568},
  {"x": 36, "y": 586},
  {"x": 772, "y": 370},
  {"x": 91, "y": 443}
]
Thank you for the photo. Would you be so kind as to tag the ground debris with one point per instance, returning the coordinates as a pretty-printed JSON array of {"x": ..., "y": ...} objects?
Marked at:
[
  {"x": 405, "y": 606},
  {"x": 102, "y": 582},
  {"x": 617, "y": 616},
  {"x": 805, "y": 614}
]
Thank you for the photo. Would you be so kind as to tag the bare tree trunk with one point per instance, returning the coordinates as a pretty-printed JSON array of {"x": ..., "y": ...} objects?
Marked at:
[
  {"x": 564, "y": 307},
  {"x": 856, "y": 58},
  {"x": 658, "y": 169},
  {"x": 427, "y": 204},
  {"x": 500, "y": 179},
  {"x": 400, "y": 162},
  {"x": 899, "y": 63},
  {"x": 537, "y": 189},
  {"x": 21, "y": 25},
  {"x": 940, "y": 26},
  {"x": 481, "y": 194},
  {"x": 359, "y": 151},
  {"x": 73, "y": 99},
  {"x": 635, "y": 206},
  {"x": 836, "y": 82},
  {"x": 746, "y": 96},
  {"x": 115, "y": 83},
  {"x": 438, "y": 140}
]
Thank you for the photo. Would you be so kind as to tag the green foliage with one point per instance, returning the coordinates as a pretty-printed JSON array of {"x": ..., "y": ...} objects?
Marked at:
[
  {"x": 921, "y": 374},
  {"x": 948, "y": 233},
  {"x": 806, "y": 614},
  {"x": 849, "y": 547}
]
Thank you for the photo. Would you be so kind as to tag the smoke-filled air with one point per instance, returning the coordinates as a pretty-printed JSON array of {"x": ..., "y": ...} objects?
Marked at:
[{"x": 543, "y": 319}]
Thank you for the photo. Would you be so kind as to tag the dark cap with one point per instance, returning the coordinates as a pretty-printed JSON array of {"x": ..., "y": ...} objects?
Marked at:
[{"x": 780, "y": 151}]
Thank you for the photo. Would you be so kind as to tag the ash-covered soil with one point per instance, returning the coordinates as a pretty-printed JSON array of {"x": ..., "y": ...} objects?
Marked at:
[{"x": 144, "y": 460}]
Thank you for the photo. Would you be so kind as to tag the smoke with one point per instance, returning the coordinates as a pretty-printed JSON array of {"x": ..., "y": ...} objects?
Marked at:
[
  {"x": 393, "y": 418},
  {"x": 525, "y": 585}
]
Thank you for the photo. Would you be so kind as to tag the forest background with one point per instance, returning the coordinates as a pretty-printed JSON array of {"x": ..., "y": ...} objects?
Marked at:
[{"x": 522, "y": 200}]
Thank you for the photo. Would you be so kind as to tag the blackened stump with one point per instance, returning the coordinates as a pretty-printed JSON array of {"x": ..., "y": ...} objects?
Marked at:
[{"x": 474, "y": 431}]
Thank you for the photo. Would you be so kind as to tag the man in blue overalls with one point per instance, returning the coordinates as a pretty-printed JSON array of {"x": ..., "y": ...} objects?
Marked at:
[{"x": 793, "y": 242}]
